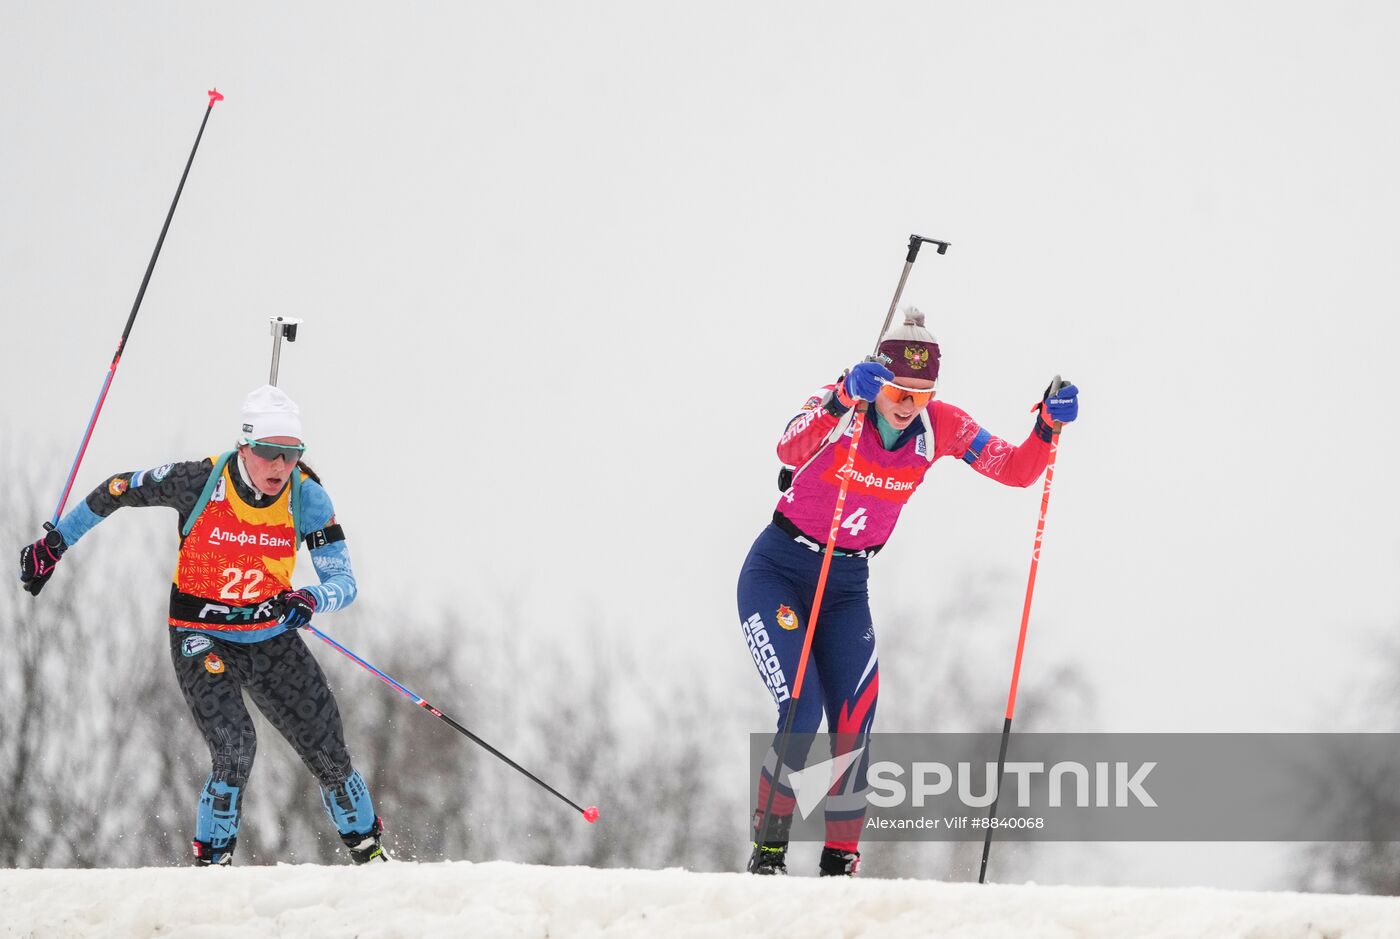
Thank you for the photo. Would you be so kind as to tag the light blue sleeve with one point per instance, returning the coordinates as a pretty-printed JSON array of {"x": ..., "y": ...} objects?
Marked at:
[
  {"x": 332, "y": 562},
  {"x": 78, "y": 522}
]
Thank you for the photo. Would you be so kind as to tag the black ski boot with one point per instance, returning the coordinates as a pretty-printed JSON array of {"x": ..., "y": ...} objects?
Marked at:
[
  {"x": 836, "y": 863},
  {"x": 205, "y": 855},
  {"x": 366, "y": 847},
  {"x": 768, "y": 858}
]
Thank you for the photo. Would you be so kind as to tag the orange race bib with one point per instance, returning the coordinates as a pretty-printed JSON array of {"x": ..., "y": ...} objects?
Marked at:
[{"x": 234, "y": 560}]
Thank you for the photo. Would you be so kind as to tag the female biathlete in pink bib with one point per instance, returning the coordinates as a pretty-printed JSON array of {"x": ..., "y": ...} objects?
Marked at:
[{"x": 906, "y": 430}]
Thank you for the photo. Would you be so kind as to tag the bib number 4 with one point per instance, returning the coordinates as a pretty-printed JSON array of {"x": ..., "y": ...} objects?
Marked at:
[
  {"x": 240, "y": 584},
  {"x": 855, "y": 522}
]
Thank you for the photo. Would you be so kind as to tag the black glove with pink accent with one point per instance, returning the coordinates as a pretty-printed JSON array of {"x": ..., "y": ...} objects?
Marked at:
[
  {"x": 37, "y": 561},
  {"x": 297, "y": 607}
]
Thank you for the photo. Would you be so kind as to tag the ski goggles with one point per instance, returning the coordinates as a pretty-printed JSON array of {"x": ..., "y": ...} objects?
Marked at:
[
  {"x": 290, "y": 453},
  {"x": 896, "y": 393}
]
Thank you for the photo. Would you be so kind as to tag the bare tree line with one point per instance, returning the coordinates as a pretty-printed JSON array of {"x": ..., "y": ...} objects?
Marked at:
[{"x": 1360, "y": 798}]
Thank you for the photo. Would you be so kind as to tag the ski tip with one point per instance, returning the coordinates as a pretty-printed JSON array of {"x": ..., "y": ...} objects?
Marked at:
[
  {"x": 590, "y": 814},
  {"x": 214, "y": 96}
]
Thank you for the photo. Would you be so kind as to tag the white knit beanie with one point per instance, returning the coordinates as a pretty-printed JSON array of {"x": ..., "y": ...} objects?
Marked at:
[{"x": 268, "y": 412}]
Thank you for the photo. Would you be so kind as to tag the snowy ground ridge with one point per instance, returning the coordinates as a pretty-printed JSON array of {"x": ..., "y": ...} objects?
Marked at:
[{"x": 519, "y": 900}]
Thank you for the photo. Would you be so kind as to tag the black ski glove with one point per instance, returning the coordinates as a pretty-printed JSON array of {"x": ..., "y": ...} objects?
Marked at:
[
  {"x": 297, "y": 607},
  {"x": 37, "y": 561}
]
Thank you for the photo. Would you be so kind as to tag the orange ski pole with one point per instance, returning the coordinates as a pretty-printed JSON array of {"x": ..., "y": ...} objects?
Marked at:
[
  {"x": 1021, "y": 639},
  {"x": 857, "y": 424}
]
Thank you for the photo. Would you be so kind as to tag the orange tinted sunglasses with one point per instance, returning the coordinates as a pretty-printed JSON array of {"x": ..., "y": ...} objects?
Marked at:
[{"x": 897, "y": 393}]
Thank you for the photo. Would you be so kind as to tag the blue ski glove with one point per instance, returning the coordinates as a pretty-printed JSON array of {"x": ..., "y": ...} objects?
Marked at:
[
  {"x": 297, "y": 607},
  {"x": 863, "y": 381},
  {"x": 37, "y": 561},
  {"x": 1063, "y": 406}
]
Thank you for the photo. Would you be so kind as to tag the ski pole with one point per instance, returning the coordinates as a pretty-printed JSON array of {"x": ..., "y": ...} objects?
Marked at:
[
  {"x": 915, "y": 243},
  {"x": 857, "y": 425},
  {"x": 589, "y": 814},
  {"x": 1021, "y": 639},
  {"x": 789, "y": 477},
  {"x": 131, "y": 319}
]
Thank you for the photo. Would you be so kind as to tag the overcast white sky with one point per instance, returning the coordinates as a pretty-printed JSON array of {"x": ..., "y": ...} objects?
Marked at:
[{"x": 568, "y": 268}]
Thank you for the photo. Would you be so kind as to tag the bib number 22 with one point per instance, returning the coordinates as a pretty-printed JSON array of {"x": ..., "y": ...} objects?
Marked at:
[{"x": 240, "y": 584}]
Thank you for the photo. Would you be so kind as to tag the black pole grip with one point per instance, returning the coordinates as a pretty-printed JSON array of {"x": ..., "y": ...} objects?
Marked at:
[{"x": 916, "y": 241}]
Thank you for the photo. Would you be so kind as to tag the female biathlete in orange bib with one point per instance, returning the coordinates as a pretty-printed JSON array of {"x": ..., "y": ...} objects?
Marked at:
[
  {"x": 234, "y": 615},
  {"x": 907, "y": 429}
]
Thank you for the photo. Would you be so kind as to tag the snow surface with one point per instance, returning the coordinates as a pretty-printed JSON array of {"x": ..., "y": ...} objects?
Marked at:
[{"x": 519, "y": 900}]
